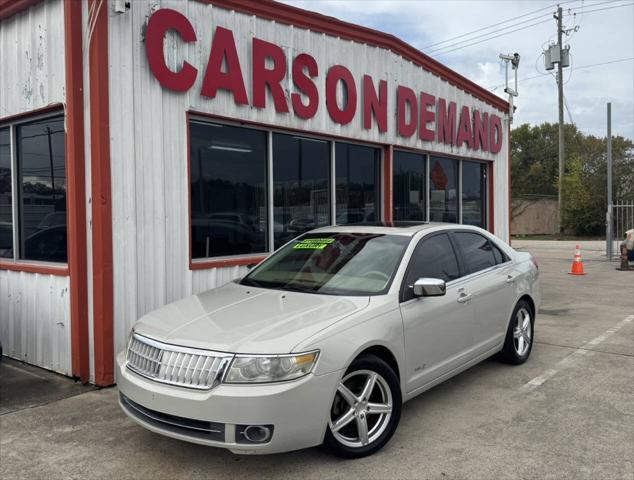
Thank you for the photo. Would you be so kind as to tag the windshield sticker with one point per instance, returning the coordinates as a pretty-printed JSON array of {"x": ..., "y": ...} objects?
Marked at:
[{"x": 313, "y": 243}]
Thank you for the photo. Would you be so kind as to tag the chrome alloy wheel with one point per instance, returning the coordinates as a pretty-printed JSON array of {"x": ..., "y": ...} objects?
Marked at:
[
  {"x": 523, "y": 331},
  {"x": 362, "y": 408}
]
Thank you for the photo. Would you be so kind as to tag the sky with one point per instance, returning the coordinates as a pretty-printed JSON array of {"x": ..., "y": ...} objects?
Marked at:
[{"x": 526, "y": 27}]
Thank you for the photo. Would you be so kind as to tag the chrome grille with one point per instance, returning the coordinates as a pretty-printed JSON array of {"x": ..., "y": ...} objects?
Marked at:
[{"x": 175, "y": 365}]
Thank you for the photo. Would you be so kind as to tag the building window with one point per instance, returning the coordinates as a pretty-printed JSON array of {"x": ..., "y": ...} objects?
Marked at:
[
  {"x": 228, "y": 190},
  {"x": 37, "y": 215},
  {"x": 357, "y": 170},
  {"x": 409, "y": 186},
  {"x": 474, "y": 193},
  {"x": 252, "y": 189},
  {"x": 6, "y": 203},
  {"x": 443, "y": 186},
  {"x": 301, "y": 179}
]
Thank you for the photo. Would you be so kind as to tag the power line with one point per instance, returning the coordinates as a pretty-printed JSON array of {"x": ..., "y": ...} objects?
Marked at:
[
  {"x": 608, "y": 8},
  {"x": 441, "y": 51},
  {"x": 436, "y": 50},
  {"x": 490, "y": 38},
  {"x": 496, "y": 24},
  {"x": 592, "y": 65}
]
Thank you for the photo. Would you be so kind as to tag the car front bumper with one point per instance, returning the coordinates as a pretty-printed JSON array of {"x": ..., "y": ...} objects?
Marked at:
[{"x": 297, "y": 410}]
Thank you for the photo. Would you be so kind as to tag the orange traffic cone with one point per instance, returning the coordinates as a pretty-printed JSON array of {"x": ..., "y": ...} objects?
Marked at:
[{"x": 577, "y": 263}]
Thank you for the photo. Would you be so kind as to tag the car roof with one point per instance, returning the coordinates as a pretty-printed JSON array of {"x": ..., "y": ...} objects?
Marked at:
[{"x": 408, "y": 229}]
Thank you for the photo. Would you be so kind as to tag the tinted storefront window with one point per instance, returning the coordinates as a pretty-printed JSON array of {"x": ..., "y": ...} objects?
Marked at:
[
  {"x": 357, "y": 169},
  {"x": 301, "y": 175},
  {"x": 443, "y": 183},
  {"x": 42, "y": 189},
  {"x": 228, "y": 190},
  {"x": 409, "y": 186},
  {"x": 6, "y": 221},
  {"x": 474, "y": 194}
]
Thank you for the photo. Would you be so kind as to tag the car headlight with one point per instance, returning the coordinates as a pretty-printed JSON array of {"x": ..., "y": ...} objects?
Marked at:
[{"x": 270, "y": 368}]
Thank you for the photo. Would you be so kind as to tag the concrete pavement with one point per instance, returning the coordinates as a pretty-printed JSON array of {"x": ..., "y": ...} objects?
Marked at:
[{"x": 567, "y": 413}]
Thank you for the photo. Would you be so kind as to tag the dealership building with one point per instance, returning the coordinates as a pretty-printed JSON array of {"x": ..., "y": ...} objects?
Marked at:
[{"x": 154, "y": 149}]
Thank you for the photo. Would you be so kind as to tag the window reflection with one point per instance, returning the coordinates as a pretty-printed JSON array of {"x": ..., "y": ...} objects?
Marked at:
[
  {"x": 228, "y": 190},
  {"x": 42, "y": 188},
  {"x": 443, "y": 183},
  {"x": 301, "y": 173},
  {"x": 6, "y": 222},
  {"x": 474, "y": 194},
  {"x": 409, "y": 186},
  {"x": 357, "y": 170}
]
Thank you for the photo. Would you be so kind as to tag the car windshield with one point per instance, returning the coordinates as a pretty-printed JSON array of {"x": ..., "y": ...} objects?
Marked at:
[{"x": 333, "y": 264}]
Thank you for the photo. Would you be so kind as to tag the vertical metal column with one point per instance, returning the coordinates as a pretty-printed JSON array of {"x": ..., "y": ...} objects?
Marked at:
[{"x": 608, "y": 231}]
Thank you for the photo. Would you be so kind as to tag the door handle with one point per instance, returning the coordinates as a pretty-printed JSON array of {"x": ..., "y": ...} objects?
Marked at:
[
  {"x": 464, "y": 297},
  {"x": 510, "y": 279}
]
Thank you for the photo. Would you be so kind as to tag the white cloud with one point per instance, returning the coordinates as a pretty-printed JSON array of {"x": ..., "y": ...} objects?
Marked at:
[{"x": 603, "y": 36}]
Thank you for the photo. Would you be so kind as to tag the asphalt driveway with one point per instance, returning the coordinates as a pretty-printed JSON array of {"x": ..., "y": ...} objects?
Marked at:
[{"x": 567, "y": 413}]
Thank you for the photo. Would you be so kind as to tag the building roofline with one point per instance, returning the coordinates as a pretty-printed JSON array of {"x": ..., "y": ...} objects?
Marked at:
[
  {"x": 9, "y": 8},
  {"x": 318, "y": 22}
]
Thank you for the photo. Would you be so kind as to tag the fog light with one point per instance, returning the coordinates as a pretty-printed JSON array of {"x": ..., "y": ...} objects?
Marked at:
[{"x": 253, "y": 433}]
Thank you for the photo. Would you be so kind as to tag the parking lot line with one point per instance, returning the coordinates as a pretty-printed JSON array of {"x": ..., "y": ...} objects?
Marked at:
[{"x": 575, "y": 356}]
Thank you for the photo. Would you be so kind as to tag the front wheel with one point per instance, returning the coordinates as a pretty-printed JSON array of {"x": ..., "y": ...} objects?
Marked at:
[
  {"x": 366, "y": 409},
  {"x": 519, "y": 336}
]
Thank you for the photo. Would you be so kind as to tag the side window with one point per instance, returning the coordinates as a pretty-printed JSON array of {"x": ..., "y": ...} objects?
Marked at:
[
  {"x": 434, "y": 257},
  {"x": 500, "y": 256},
  {"x": 477, "y": 252}
]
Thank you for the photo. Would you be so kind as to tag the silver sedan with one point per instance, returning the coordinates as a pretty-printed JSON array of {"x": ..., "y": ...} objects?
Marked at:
[{"x": 323, "y": 341}]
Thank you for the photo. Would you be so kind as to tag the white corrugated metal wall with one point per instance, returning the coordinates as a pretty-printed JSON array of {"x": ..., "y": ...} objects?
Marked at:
[
  {"x": 149, "y": 149},
  {"x": 34, "y": 308}
]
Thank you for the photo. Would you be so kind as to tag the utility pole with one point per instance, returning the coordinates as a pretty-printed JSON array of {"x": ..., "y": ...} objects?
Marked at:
[
  {"x": 560, "y": 88},
  {"x": 557, "y": 54},
  {"x": 608, "y": 236}
]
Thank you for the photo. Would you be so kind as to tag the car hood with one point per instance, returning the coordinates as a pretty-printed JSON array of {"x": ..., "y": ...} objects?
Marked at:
[{"x": 240, "y": 319}]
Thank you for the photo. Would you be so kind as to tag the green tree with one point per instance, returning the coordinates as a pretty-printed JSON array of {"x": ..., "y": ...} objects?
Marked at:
[{"x": 535, "y": 171}]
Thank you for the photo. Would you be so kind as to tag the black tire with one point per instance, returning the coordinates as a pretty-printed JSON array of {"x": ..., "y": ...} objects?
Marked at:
[
  {"x": 387, "y": 378},
  {"x": 511, "y": 353}
]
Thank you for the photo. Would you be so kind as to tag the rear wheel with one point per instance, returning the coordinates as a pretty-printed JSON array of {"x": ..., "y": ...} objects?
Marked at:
[
  {"x": 366, "y": 409},
  {"x": 519, "y": 336}
]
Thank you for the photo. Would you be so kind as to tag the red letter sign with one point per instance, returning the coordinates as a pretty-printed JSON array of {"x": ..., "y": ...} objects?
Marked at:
[
  {"x": 160, "y": 22},
  {"x": 345, "y": 115},
  {"x": 406, "y": 96},
  {"x": 224, "y": 47},
  {"x": 465, "y": 130},
  {"x": 446, "y": 122},
  {"x": 426, "y": 116},
  {"x": 304, "y": 83},
  {"x": 495, "y": 130},
  {"x": 263, "y": 76},
  {"x": 481, "y": 131},
  {"x": 372, "y": 103}
]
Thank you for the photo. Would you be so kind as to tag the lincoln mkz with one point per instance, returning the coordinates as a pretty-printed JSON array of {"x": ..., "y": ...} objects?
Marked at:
[{"x": 323, "y": 341}]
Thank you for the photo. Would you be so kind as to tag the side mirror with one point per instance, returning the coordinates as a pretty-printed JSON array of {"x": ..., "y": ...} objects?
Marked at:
[{"x": 429, "y": 287}]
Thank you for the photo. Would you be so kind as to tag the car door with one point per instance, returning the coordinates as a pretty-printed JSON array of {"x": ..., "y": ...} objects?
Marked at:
[
  {"x": 489, "y": 280},
  {"x": 437, "y": 329}
]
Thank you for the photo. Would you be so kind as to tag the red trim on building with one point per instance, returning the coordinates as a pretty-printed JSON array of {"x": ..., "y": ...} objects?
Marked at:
[
  {"x": 388, "y": 156},
  {"x": 53, "y": 107},
  {"x": 298, "y": 17},
  {"x": 76, "y": 190},
  {"x": 103, "y": 297},
  {"x": 509, "y": 166},
  {"x": 9, "y": 8},
  {"x": 62, "y": 270},
  {"x": 491, "y": 186}
]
